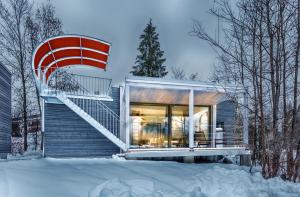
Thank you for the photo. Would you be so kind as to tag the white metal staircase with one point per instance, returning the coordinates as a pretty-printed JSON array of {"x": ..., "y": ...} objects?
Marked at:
[{"x": 98, "y": 115}]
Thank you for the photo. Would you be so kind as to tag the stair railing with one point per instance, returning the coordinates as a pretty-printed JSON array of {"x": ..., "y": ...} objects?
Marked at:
[{"x": 101, "y": 113}]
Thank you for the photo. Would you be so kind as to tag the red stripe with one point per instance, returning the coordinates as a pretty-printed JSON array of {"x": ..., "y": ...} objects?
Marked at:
[{"x": 71, "y": 53}]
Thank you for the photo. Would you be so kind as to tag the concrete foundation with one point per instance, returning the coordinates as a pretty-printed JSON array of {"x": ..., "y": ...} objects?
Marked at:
[
  {"x": 3, "y": 155},
  {"x": 189, "y": 159}
]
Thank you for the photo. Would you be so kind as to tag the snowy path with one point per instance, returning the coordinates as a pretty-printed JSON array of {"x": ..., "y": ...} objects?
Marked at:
[
  {"x": 108, "y": 177},
  {"x": 4, "y": 186}
]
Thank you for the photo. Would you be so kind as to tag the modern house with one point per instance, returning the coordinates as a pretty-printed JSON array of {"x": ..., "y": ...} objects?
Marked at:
[
  {"x": 143, "y": 117},
  {"x": 5, "y": 111}
]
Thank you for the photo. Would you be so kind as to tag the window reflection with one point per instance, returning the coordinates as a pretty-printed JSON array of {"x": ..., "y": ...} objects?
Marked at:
[
  {"x": 167, "y": 126},
  {"x": 180, "y": 126},
  {"x": 202, "y": 134},
  {"x": 149, "y": 126}
]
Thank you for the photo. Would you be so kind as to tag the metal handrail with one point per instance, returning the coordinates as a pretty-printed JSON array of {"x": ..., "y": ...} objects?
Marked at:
[
  {"x": 95, "y": 108},
  {"x": 98, "y": 101},
  {"x": 101, "y": 113},
  {"x": 80, "y": 85},
  {"x": 106, "y": 81}
]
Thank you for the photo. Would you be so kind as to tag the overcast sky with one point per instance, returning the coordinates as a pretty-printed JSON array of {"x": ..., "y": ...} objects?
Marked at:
[{"x": 121, "y": 22}]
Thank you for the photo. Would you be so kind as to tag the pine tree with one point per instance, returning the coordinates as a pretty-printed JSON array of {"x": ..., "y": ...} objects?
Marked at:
[{"x": 149, "y": 61}]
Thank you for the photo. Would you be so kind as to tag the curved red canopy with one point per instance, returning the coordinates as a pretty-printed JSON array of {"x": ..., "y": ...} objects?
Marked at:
[{"x": 68, "y": 50}]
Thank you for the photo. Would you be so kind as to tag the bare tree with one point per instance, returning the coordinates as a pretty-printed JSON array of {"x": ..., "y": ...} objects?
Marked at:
[
  {"x": 180, "y": 74},
  {"x": 42, "y": 25},
  {"x": 194, "y": 76},
  {"x": 13, "y": 43},
  {"x": 20, "y": 33},
  {"x": 260, "y": 51},
  {"x": 64, "y": 81}
]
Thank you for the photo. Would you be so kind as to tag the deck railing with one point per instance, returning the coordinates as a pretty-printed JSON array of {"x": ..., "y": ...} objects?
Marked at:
[
  {"x": 230, "y": 136},
  {"x": 79, "y": 85}
]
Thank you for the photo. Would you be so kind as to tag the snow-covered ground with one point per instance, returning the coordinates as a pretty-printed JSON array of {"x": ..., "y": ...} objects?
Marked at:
[{"x": 113, "y": 177}]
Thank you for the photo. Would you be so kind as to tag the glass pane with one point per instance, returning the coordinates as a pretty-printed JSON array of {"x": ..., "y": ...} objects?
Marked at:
[
  {"x": 149, "y": 126},
  {"x": 202, "y": 135},
  {"x": 180, "y": 126}
]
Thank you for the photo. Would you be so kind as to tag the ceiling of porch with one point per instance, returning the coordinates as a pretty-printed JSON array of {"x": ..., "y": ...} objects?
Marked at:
[{"x": 173, "y": 96}]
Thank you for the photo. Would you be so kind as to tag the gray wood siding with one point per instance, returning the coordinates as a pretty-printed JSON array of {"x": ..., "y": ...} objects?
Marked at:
[
  {"x": 115, "y": 104},
  {"x": 226, "y": 115},
  {"x": 68, "y": 135},
  {"x": 5, "y": 110}
]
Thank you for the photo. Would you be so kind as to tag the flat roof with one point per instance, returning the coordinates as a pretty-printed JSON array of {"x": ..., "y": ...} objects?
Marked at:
[{"x": 182, "y": 83}]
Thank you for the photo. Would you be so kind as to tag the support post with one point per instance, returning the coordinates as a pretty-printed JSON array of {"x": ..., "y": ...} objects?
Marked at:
[
  {"x": 169, "y": 126},
  {"x": 214, "y": 125},
  {"x": 122, "y": 115},
  {"x": 127, "y": 115},
  {"x": 43, "y": 125},
  {"x": 245, "y": 120},
  {"x": 191, "y": 119}
]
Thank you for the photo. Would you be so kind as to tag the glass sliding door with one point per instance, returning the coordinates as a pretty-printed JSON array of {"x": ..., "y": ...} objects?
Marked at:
[
  {"x": 202, "y": 133},
  {"x": 167, "y": 126},
  {"x": 149, "y": 126},
  {"x": 179, "y": 127}
]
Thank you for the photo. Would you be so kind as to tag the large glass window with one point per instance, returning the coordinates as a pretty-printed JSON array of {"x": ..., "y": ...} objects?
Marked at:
[
  {"x": 180, "y": 126},
  {"x": 167, "y": 126},
  {"x": 202, "y": 134},
  {"x": 149, "y": 126}
]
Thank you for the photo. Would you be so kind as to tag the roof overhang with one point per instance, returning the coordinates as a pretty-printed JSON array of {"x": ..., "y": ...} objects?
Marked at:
[{"x": 156, "y": 90}]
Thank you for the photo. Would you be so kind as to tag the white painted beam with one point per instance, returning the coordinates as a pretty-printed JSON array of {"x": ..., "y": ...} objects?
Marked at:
[
  {"x": 187, "y": 152},
  {"x": 42, "y": 103},
  {"x": 214, "y": 125},
  {"x": 191, "y": 119},
  {"x": 150, "y": 82},
  {"x": 127, "y": 115},
  {"x": 122, "y": 114}
]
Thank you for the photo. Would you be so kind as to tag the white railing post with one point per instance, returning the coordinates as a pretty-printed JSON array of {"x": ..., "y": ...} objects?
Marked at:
[
  {"x": 191, "y": 119},
  {"x": 127, "y": 115}
]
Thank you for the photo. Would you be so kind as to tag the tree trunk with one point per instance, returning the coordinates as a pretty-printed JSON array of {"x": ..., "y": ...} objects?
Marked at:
[{"x": 295, "y": 97}]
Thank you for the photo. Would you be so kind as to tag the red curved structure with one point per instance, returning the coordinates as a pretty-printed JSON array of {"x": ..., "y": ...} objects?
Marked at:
[{"x": 68, "y": 50}]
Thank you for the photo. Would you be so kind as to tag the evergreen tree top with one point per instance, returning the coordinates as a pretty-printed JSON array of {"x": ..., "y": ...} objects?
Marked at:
[{"x": 149, "y": 61}]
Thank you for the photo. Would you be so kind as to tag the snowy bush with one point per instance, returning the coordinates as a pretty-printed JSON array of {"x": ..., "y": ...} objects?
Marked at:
[{"x": 17, "y": 143}]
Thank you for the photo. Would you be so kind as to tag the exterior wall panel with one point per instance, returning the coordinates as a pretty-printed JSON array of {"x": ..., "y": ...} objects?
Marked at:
[
  {"x": 5, "y": 111},
  {"x": 68, "y": 135},
  {"x": 226, "y": 118}
]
